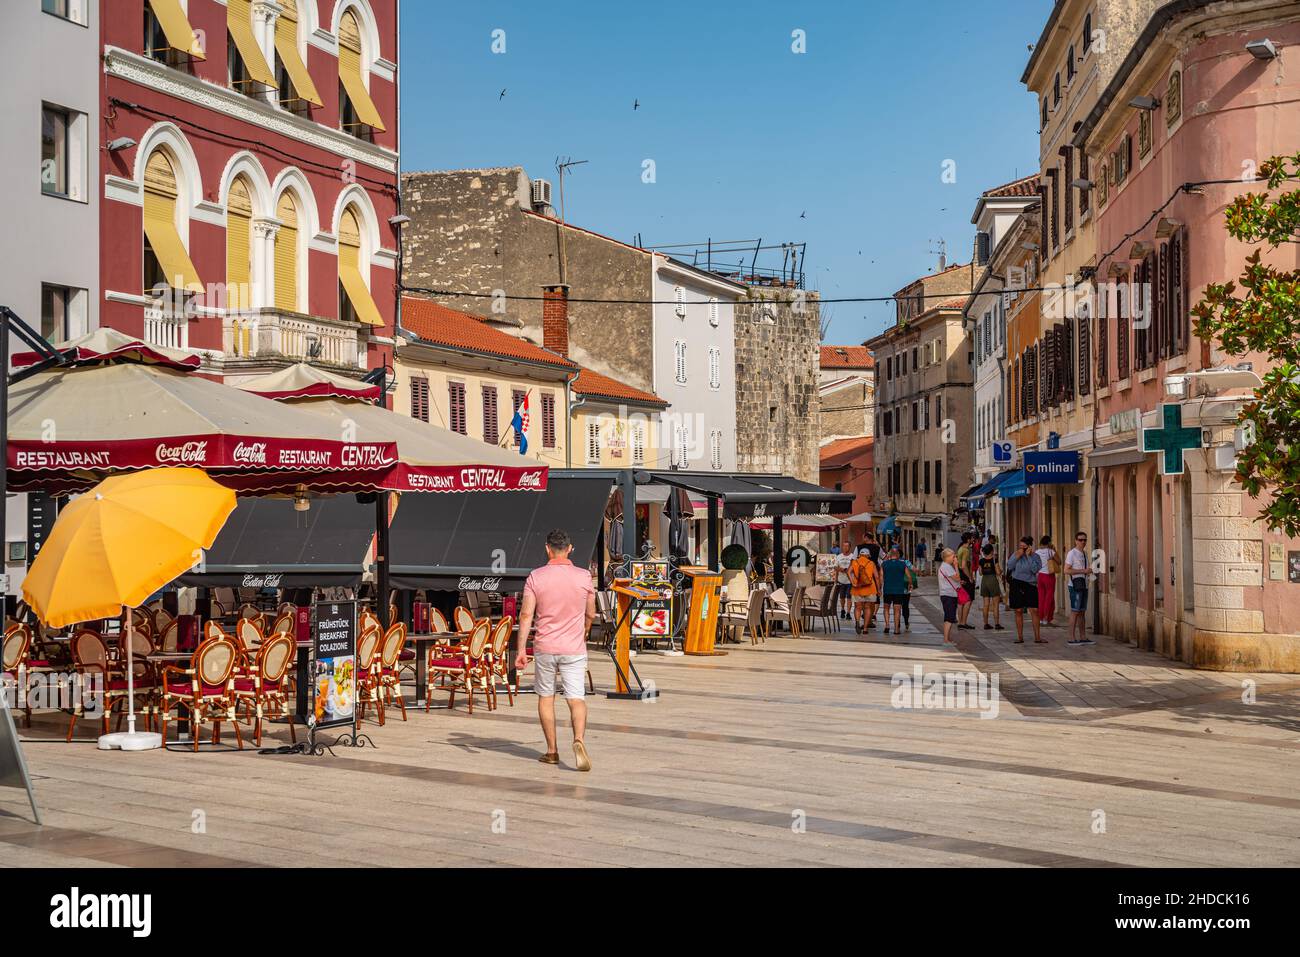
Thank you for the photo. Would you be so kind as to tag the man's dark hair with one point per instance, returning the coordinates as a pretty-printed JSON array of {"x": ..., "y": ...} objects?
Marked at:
[{"x": 558, "y": 539}]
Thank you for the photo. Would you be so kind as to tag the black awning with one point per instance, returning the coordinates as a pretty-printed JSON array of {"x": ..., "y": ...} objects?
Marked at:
[
  {"x": 265, "y": 543},
  {"x": 809, "y": 499},
  {"x": 741, "y": 498},
  {"x": 477, "y": 541}
]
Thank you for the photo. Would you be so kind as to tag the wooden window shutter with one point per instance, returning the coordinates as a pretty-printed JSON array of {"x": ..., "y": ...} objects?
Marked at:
[
  {"x": 491, "y": 423},
  {"x": 456, "y": 403},
  {"x": 548, "y": 420},
  {"x": 1085, "y": 363},
  {"x": 1123, "y": 319},
  {"x": 420, "y": 399}
]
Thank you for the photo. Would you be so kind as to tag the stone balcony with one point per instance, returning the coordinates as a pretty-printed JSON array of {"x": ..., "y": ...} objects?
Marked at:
[{"x": 268, "y": 339}]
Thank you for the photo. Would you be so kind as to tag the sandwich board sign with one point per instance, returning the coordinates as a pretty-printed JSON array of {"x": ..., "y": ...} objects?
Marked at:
[{"x": 13, "y": 769}]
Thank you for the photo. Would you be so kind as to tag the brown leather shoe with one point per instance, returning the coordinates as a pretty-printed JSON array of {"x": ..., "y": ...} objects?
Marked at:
[
  {"x": 551, "y": 757},
  {"x": 581, "y": 759}
]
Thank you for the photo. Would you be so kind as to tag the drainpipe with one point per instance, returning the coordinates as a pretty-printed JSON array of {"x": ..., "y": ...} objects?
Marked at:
[{"x": 573, "y": 405}]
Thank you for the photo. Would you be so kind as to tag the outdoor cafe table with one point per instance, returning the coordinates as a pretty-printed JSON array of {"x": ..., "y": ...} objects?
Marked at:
[{"x": 422, "y": 641}]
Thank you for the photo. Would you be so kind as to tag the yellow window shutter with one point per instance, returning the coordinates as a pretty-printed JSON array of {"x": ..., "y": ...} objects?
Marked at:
[
  {"x": 239, "y": 21},
  {"x": 239, "y": 229},
  {"x": 286, "y": 44},
  {"x": 350, "y": 271},
  {"x": 160, "y": 195},
  {"x": 350, "y": 72},
  {"x": 176, "y": 27},
  {"x": 286, "y": 255}
]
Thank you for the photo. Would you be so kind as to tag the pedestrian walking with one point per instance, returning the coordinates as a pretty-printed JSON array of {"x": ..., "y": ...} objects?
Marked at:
[
  {"x": 921, "y": 549},
  {"x": 1076, "y": 567},
  {"x": 560, "y": 603},
  {"x": 966, "y": 571},
  {"x": 844, "y": 599},
  {"x": 894, "y": 574},
  {"x": 865, "y": 578},
  {"x": 1022, "y": 582},
  {"x": 1051, "y": 559},
  {"x": 991, "y": 587},
  {"x": 949, "y": 592}
]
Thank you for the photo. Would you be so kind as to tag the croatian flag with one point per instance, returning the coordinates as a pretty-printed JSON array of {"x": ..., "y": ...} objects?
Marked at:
[{"x": 520, "y": 424}]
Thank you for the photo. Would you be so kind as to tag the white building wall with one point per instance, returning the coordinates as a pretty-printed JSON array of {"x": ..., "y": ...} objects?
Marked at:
[
  {"x": 48, "y": 239},
  {"x": 695, "y": 404}
]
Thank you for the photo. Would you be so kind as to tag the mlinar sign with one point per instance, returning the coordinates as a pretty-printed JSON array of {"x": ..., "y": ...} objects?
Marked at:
[{"x": 1051, "y": 468}]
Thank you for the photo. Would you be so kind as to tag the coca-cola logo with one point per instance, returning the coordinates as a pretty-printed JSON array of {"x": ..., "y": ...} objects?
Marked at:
[
  {"x": 188, "y": 453},
  {"x": 530, "y": 480},
  {"x": 250, "y": 453}
]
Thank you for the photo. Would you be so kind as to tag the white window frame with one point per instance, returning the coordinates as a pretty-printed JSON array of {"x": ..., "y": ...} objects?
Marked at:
[
  {"x": 715, "y": 449},
  {"x": 74, "y": 153},
  {"x": 679, "y": 293},
  {"x": 715, "y": 368},
  {"x": 679, "y": 349},
  {"x": 638, "y": 444},
  {"x": 593, "y": 442},
  {"x": 715, "y": 312}
]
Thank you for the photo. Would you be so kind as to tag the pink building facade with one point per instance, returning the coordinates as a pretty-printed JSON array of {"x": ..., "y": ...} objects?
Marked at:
[{"x": 1185, "y": 568}]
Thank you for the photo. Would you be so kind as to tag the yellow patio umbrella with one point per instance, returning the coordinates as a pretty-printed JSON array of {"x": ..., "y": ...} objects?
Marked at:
[{"x": 118, "y": 544}]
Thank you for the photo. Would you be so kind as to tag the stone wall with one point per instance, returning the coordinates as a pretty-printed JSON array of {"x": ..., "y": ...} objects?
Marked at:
[
  {"x": 848, "y": 410},
  {"x": 472, "y": 230},
  {"x": 778, "y": 338}
]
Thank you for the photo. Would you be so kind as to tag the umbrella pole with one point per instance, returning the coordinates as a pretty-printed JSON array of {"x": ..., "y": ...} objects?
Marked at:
[{"x": 131, "y": 740}]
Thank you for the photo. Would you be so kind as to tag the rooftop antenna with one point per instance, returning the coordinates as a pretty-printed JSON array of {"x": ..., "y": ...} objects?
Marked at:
[
  {"x": 562, "y": 165},
  {"x": 941, "y": 252}
]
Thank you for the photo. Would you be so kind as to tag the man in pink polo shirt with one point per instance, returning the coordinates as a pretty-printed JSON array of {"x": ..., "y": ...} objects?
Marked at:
[{"x": 559, "y": 600}]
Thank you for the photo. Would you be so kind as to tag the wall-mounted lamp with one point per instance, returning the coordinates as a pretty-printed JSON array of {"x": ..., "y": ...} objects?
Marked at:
[
  {"x": 121, "y": 143},
  {"x": 401, "y": 219},
  {"x": 1144, "y": 102},
  {"x": 1262, "y": 49},
  {"x": 1082, "y": 184}
]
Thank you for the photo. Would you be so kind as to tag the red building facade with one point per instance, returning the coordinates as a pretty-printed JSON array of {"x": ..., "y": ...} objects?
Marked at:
[{"x": 250, "y": 176}]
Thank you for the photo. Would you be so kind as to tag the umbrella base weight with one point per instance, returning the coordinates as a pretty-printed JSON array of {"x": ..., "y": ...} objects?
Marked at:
[
  {"x": 705, "y": 654},
  {"x": 632, "y": 695},
  {"x": 130, "y": 741}
]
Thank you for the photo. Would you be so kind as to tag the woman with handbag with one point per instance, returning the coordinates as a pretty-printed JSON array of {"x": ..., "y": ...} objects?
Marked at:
[
  {"x": 1051, "y": 560},
  {"x": 951, "y": 593},
  {"x": 1022, "y": 578}
]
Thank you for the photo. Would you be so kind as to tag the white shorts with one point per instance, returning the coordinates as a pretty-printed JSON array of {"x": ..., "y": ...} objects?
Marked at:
[{"x": 572, "y": 670}]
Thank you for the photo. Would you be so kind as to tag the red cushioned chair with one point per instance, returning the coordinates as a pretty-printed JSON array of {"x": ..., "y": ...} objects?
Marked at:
[
  {"x": 499, "y": 660},
  {"x": 205, "y": 689},
  {"x": 265, "y": 692},
  {"x": 461, "y": 667}
]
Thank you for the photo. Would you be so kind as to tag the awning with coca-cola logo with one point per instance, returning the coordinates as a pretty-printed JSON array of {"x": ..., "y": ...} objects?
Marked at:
[
  {"x": 267, "y": 543},
  {"x": 69, "y": 427},
  {"x": 108, "y": 345},
  {"x": 430, "y": 458},
  {"x": 463, "y": 542}
]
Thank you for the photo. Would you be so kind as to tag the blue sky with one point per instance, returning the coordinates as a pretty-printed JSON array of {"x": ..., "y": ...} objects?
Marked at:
[{"x": 841, "y": 147}]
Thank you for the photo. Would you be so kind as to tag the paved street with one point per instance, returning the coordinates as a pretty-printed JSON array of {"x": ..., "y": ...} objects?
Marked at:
[{"x": 787, "y": 753}]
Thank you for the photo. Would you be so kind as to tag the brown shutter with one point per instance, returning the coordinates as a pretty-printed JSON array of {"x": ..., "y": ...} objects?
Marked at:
[
  {"x": 1123, "y": 319},
  {"x": 1085, "y": 363}
]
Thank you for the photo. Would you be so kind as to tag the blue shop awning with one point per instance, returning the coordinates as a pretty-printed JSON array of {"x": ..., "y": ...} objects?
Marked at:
[
  {"x": 1013, "y": 486},
  {"x": 974, "y": 499}
]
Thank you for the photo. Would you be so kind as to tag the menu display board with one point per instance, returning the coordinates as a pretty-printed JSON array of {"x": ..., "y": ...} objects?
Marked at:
[
  {"x": 654, "y": 616},
  {"x": 334, "y": 676}
]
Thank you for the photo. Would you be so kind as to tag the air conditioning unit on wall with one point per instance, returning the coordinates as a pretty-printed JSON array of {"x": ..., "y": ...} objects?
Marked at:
[{"x": 541, "y": 194}]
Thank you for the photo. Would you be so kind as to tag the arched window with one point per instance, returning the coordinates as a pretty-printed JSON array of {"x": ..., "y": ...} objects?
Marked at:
[
  {"x": 239, "y": 246},
  {"x": 355, "y": 301},
  {"x": 286, "y": 254},
  {"x": 297, "y": 89},
  {"x": 166, "y": 261},
  {"x": 358, "y": 114}
]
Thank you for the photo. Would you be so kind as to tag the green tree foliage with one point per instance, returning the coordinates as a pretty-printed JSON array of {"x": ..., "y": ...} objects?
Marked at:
[{"x": 1264, "y": 317}]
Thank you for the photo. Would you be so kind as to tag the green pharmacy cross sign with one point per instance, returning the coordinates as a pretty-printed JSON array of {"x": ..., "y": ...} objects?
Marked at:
[{"x": 1172, "y": 438}]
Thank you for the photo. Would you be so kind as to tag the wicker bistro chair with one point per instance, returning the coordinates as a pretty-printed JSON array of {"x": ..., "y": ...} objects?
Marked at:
[
  {"x": 206, "y": 689},
  {"x": 499, "y": 660},
  {"x": 438, "y": 621},
  {"x": 91, "y": 656},
  {"x": 19, "y": 663},
  {"x": 266, "y": 690},
  {"x": 368, "y": 663},
  {"x": 463, "y": 620},
  {"x": 213, "y": 629},
  {"x": 388, "y": 669},
  {"x": 791, "y": 614},
  {"x": 462, "y": 666},
  {"x": 286, "y": 623},
  {"x": 169, "y": 636}
]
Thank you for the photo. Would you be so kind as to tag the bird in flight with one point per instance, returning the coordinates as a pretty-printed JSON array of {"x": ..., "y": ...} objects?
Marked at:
[
  {"x": 804, "y": 214},
  {"x": 503, "y": 94},
  {"x": 636, "y": 104}
]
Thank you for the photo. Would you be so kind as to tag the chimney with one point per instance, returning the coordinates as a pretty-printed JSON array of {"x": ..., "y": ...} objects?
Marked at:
[{"x": 555, "y": 318}]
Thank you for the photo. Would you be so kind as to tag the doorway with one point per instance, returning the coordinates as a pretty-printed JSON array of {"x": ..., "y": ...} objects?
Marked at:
[{"x": 1134, "y": 551}]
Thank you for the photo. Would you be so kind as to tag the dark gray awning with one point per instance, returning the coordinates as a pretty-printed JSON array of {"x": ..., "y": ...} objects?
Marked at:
[
  {"x": 490, "y": 542},
  {"x": 809, "y": 499},
  {"x": 265, "y": 543},
  {"x": 741, "y": 498}
]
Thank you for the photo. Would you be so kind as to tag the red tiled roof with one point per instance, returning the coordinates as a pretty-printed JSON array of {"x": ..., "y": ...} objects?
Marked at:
[
  {"x": 841, "y": 451},
  {"x": 846, "y": 357},
  {"x": 956, "y": 302},
  {"x": 435, "y": 323},
  {"x": 1025, "y": 186},
  {"x": 602, "y": 386}
]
